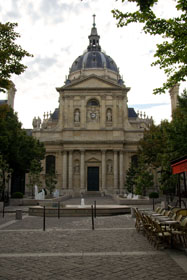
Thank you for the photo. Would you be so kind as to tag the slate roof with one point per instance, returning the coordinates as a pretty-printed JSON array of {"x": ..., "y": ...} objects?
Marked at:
[
  {"x": 132, "y": 113},
  {"x": 94, "y": 59},
  {"x": 55, "y": 114},
  {"x": 3, "y": 102}
]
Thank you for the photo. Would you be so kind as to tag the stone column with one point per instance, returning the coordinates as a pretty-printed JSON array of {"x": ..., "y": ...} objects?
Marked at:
[
  {"x": 103, "y": 170},
  {"x": 82, "y": 171},
  {"x": 103, "y": 112},
  {"x": 115, "y": 171},
  {"x": 126, "y": 166},
  {"x": 70, "y": 171},
  {"x": 64, "y": 179},
  {"x": 83, "y": 112},
  {"x": 121, "y": 171},
  {"x": 114, "y": 111}
]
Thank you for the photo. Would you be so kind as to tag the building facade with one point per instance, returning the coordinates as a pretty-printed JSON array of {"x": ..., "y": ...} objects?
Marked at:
[{"x": 92, "y": 136}]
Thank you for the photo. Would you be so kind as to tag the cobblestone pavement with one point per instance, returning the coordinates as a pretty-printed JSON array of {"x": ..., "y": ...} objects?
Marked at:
[{"x": 70, "y": 249}]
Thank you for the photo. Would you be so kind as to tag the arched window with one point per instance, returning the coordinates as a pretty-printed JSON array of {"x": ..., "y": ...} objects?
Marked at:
[
  {"x": 50, "y": 164},
  {"x": 93, "y": 102}
]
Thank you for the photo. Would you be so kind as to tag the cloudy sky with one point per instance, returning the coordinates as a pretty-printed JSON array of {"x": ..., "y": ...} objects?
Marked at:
[{"x": 56, "y": 33}]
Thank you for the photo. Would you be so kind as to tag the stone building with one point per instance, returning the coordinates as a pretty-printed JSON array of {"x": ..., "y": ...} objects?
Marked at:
[
  {"x": 10, "y": 95},
  {"x": 92, "y": 136}
]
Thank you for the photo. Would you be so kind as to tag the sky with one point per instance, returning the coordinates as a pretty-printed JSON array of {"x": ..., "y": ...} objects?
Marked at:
[{"x": 56, "y": 33}]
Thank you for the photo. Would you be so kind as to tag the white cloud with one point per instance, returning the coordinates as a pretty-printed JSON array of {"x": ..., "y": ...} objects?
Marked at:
[{"x": 56, "y": 33}]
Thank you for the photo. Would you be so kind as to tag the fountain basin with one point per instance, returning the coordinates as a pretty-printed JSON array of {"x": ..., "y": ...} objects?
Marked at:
[{"x": 77, "y": 211}]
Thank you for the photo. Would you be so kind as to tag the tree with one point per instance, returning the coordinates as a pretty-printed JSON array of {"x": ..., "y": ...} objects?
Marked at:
[
  {"x": 144, "y": 177},
  {"x": 17, "y": 148},
  {"x": 166, "y": 142},
  {"x": 11, "y": 55},
  {"x": 50, "y": 180},
  {"x": 5, "y": 173},
  {"x": 130, "y": 178},
  {"x": 171, "y": 54},
  {"x": 34, "y": 174}
]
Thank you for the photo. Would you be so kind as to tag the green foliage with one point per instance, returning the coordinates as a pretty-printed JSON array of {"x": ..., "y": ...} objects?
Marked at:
[
  {"x": 144, "y": 177},
  {"x": 17, "y": 148},
  {"x": 51, "y": 181},
  {"x": 130, "y": 178},
  {"x": 11, "y": 55},
  {"x": 171, "y": 54},
  {"x": 17, "y": 195},
  {"x": 34, "y": 174},
  {"x": 166, "y": 142},
  {"x": 5, "y": 173}
]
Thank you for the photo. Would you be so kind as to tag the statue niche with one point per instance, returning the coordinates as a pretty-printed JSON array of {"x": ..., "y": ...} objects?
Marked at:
[
  {"x": 109, "y": 115},
  {"x": 77, "y": 116}
]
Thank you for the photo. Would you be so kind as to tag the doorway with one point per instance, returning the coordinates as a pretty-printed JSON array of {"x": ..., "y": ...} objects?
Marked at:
[{"x": 93, "y": 179}]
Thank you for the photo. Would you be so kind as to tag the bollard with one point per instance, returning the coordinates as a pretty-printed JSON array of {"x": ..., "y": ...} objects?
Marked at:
[
  {"x": 3, "y": 209},
  {"x": 44, "y": 218},
  {"x": 95, "y": 209},
  {"x": 58, "y": 210},
  {"x": 18, "y": 214},
  {"x": 92, "y": 212}
]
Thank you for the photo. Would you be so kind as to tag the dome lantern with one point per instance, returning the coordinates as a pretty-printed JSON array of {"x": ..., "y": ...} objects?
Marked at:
[{"x": 94, "y": 38}]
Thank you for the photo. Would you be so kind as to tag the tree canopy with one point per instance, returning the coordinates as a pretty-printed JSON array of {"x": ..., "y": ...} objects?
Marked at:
[
  {"x": 166, "y": 142},
  {"x": 11, "y": 55},
  {"x": 16, "y": 147},
  {"x": 171, "y": 54}
]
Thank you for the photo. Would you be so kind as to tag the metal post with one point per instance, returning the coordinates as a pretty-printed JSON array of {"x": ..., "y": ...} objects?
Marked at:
[
  {"x": 44, "y": 218},
  {"x": 92, "y": 217},
  {"x": 179, "y": 190},
  {"x": 3, "y": 208},
  {"x": 59, "y": 210},
  {"x": 153, "y": 204},
  {"x": 95, "y": 208}
]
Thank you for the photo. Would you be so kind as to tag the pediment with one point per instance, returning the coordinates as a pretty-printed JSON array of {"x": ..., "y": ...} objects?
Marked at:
[
  {"x": 92, "y": 81},
  {"x": 93, "y": 159}
]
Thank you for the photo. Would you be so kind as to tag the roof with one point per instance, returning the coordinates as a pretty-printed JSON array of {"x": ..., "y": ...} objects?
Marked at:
[
  {"x": 94, "y": 59},
  {"x": 55, "y": 114},
  {"x": 132, "y": 113},
  {"x": 28, "y": 131},
  {"x": 2, "y": 102}
]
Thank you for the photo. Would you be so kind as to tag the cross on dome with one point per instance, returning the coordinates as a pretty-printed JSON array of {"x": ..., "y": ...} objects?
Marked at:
[{"x": 94, "y": 20}]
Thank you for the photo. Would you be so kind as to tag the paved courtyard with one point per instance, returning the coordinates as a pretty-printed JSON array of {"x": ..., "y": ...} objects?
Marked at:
[{"x": 70, "y": 249}]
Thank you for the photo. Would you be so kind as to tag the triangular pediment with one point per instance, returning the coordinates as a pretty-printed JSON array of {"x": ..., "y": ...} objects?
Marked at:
[
  {"x": 93, "y": 159},
  {"x": 92, "y": 81}
]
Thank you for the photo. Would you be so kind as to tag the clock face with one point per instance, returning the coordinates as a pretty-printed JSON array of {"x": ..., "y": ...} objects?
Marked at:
[{"x": 93, "y": 115}]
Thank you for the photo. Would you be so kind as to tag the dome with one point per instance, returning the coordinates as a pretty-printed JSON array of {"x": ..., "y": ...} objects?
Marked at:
[{"x": 94, "y": 58}]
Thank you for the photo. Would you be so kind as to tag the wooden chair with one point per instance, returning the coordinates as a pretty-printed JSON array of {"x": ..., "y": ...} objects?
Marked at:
[
  {"x": 179, "y": 233},
  {"x": 138, "y": 222},
  {"x": 161, "y": 236}
]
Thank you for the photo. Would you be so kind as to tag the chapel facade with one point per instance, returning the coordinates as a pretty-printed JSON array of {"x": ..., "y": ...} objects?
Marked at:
[{"x": 91, "y": 138}]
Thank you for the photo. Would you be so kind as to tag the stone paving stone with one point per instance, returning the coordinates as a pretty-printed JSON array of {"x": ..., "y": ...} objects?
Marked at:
[
  {"x": 69, "y": 249},
  {"x": 94, "y": 268},
  {"x": 8, "y": 217}
]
